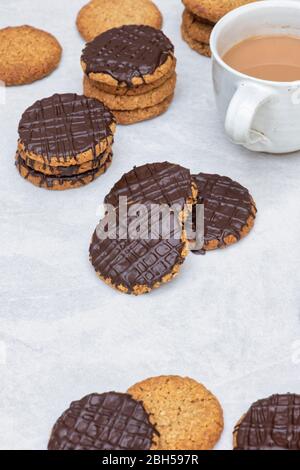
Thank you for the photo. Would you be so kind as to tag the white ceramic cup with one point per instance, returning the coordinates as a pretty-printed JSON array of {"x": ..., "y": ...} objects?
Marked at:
[{"x": 261, "y": 115}]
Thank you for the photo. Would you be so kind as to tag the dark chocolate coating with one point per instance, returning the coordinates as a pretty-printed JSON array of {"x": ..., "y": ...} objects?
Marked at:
[
  {"x": 270, "y": 424},
  {"x": 161, "y": 183},
  {"x": 227, "y": 207},
  {"x": 138, "y": 262},
  {"x": 127, "y": 52},
  {"x": 64, "y": 126},
  {"x": 71, "y": 179},
  {"x": 110, "y": 421}
]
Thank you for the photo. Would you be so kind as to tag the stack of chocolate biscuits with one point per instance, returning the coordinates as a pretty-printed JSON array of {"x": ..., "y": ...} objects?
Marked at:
[
  {"x": 199, "y": 18},
  {"x": 65, "y": 141},
  {"x": 138, "y": 265},
  {"x": 131, "y": 69}
]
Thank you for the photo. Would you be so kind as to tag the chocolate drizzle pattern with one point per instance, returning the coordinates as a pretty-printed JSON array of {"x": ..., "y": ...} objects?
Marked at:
[
  {"x": 127, "y": 52},
  {"x": 49, "y": 181},
  {"x": 270, "y": 424},
  {"x": 130, "y": 263},
  {"x": 161, "y": 183},
  {"x": 108, "y": 421},
  {"x": 227, "y": 207},
  {"x": 64, "y": 126}
]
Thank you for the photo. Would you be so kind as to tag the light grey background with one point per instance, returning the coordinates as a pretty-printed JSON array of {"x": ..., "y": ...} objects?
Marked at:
[{"x": 230, "y": 320}]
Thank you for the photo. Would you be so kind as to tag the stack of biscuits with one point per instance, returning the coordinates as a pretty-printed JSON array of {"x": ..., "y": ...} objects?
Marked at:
[
  {"x": 137, "y": 265},
  {"x": 65, "y": 141},
  {"x": 199, "y": 18},
  {"x": 131, "y": 70}
]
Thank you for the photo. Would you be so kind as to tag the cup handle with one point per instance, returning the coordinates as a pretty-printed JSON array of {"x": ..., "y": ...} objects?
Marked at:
[{"x": 242, "y": 110}]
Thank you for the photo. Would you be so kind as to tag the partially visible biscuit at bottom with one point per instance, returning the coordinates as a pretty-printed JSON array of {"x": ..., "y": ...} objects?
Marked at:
[
  {"x": 186, "y": 415},
  {"x": 59, "y": 183},
  {"x": 271, "y": 423},
  {"x": 200, "y": 47},
  {"x": 138, "y": 115}
]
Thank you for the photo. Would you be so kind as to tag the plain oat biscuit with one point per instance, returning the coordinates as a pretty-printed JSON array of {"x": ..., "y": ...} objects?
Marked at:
[
  {"x": 142, "y": 114},
  {"x": 196, "y": 30},
  {"x": 200, "y": 47},
  {"x": 213, "y": 10},
  {"x": 27, "y": 54},
  {"x": 186, "y": 415},
  {"x": 100, "y": 15},
  {"x": 133, "y": 102}
]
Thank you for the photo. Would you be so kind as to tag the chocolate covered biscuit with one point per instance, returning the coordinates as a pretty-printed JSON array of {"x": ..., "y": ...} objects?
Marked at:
[
  {"x": 107, "y": 421},
  {"x": 137, "y": 263},
  {"x": 161, "y": 183},
  {"x": 272, "y": 423},
  {"x": 229, "y": 210},
  {"x": 132, "y": 55},
  {"x": 66, "y": 129}
]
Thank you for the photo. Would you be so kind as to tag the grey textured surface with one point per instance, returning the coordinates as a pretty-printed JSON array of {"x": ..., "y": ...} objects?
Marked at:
[{"x": 231, "y": 320}]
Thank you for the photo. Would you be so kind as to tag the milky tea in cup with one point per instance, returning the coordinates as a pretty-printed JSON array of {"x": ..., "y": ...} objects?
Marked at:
[
  {"x": 256, "y": 75},
  {"x": 274, "y": 58}
]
